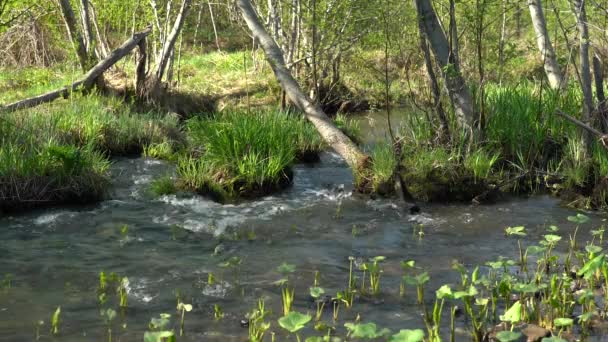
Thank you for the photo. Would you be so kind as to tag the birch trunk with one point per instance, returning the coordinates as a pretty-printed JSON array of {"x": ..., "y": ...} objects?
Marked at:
[
  {"x": 552, "y": 69},
  {"x": 170, "y": 40},
  {"x": 444, "y": 131},
  {"x": 355, "y": 158},
  {"x": 75, "y": 37},
  {"x": 585, "y": 72},
  {"x": 458, "y": 91}
]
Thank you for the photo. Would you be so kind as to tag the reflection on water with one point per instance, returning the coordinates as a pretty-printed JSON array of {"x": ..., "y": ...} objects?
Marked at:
[{"x": 173, "y": 243}]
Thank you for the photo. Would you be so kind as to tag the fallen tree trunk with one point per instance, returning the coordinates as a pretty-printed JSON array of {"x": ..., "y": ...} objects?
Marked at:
[
  {"x": 355, "y": 158},
  {"x": 601, "y": 136},
  {"x": 87, "y": 81}
]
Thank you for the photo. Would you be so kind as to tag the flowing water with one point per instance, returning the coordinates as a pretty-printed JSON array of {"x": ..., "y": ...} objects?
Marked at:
[{"x": 53, "y": 257}]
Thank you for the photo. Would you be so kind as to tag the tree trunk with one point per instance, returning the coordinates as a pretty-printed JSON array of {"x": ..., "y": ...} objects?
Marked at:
[
  {"x": 74, "y": 34},
  {"x": 602, "y": 109},
  {"x": 444, "y": 130},
  {"x": 170, "y": 40},
  {"x": 355, "y": 158},
  {"x": 554, "y": 74},
  {"x": 585, "y": 79},
  {"x": 87, "y": 80},
  {"x": 104, "y": 50},
  {"x": 86, "y": 26},
  {"x": 456, "y": 86}
]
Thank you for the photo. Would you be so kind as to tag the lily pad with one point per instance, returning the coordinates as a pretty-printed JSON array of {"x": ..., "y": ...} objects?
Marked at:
[{"x": 316, "y": 292}]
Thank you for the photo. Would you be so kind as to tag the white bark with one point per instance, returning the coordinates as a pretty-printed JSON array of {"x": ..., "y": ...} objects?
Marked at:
[
  {"x": 552, "y": 69},
  {"x": 170, "y": 40}
]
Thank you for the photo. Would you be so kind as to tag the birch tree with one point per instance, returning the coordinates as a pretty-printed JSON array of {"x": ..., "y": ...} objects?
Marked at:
[{"x": 552, "y": 69}]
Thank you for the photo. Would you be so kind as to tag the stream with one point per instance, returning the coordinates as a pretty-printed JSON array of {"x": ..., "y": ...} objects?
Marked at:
[{"x": 53, "y": 257}]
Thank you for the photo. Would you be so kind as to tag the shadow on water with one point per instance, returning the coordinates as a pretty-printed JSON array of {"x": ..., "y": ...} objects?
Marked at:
[{"x": 54, "y": 257}]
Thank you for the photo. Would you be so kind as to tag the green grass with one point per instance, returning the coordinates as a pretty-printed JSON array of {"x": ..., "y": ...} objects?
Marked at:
[
  {"x": 244, "y": 154},
  {"x": 384, "y": 165},
  {"x": 57, "y": 153},
  {"x": 163, "y": 186},
  {"x": 349, "y": 127}
]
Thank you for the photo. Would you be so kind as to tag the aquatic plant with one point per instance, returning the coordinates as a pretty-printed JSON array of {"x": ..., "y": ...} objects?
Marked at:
[
  {"x": 375, "y": 271},
  {"x": 159, "y": 330},
  {"x": 294, "y": 322},
  {"x": 56, "y": 321},
  {"x": 257, "y": 324},
  {"x": 108, "y": 316},
  {"x": 182, "y": 308},
  {"x": 218, "y": 313},
  {"x": 287, "y": 292},
  {"x": 365, "y": 330},
  {"x": 316, "y": 293}
]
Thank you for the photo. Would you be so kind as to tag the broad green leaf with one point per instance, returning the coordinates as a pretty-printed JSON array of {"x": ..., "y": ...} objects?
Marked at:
[
  {"x": 593, "y": 249},
  {"x": 563, "y": 322},
  {"x": 552, "y": 239},
  {"x": 379, "y": 258},
  {"x": 552, "y": 228},
  {"x": 405, "y": 264},
  {"x": 578, "y": 219},
  {"x": 470, "y": 292},
  {"x": 407, "y": 335},
  {"x": 508, "y": 336},
  {"x": 536, "y": 250},
  {"x": 418, "y": 280},
  {"x": 591, "y": 266},
  {"x": 316, "y": 292},
  {"x": 513, "y": 315},
  {"x": 516, "y": 231},
  {"x": 553, "y": 339},
  {"x": 445, "y": 292},
  {"x": 365, "y": 330},
  {"x": 294, "y": 321},
  {"x": 159, "y": 336},
  {"x": 286, "y": 268}
]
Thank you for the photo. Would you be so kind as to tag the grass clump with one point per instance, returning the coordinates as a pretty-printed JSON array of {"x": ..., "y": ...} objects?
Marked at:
[
  {"x": 383, "y": 168},
  {"x": 163, "y": 186},
  {"x": 36, "y": 174},
  {"x": 240, "y": 154}
]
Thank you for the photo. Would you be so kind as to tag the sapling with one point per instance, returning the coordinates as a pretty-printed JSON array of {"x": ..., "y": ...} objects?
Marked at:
[{"x": 182, "y": 309}]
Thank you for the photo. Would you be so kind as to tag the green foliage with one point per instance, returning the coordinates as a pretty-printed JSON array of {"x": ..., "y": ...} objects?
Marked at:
[{"x": 349, "y": 126}]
